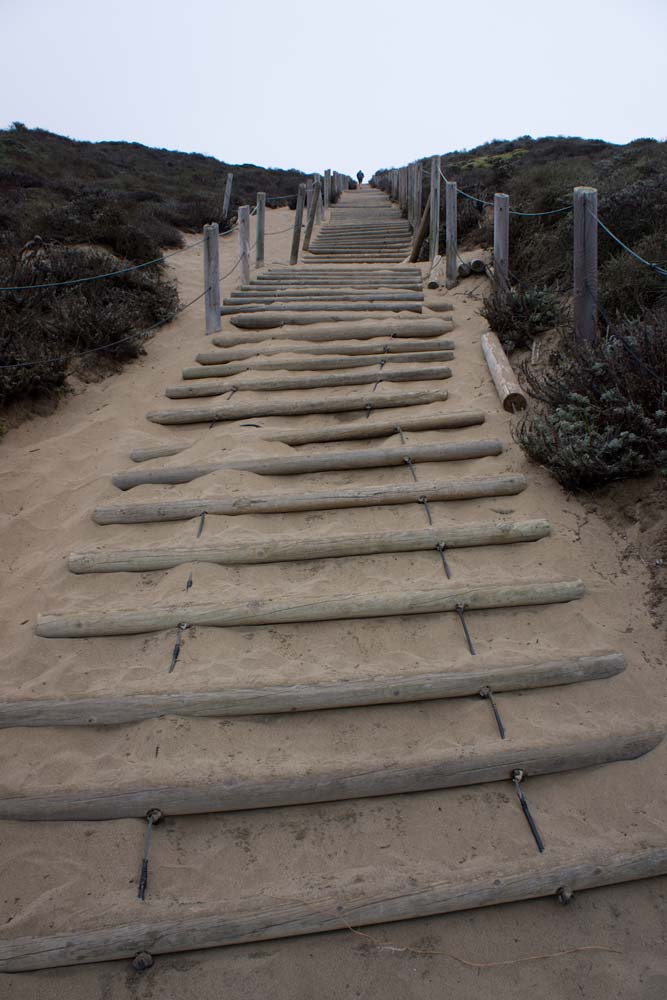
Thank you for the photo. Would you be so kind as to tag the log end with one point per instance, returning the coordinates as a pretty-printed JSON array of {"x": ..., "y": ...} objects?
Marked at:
[{"x": 515, "y": 402}]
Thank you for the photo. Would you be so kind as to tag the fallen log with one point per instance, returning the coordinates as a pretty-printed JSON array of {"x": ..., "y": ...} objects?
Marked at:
[
  {"x": 336, "y": 499},
  {"x": 321, "y": 363},
  {"x": 358, "y": 327},
  {"x": 280, "y": 383},
  {"x": 504, "y": 379},
  {"x": 448, "y": 767},
  {"x": 274, "y": 699},
  {"x": 335, "y": 348},
  {"x": 286, "y": 549},
  {"x": 235, "y": 410},
  {"x": 285, "y": 610},
  {"x": 374, "y": 900},
  {"x": 327, "y": 461}
]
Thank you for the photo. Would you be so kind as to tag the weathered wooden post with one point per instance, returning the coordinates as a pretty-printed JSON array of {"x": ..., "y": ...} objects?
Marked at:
[
  {"x": 585, "y": 263},
  {"x": 211, "y": 278},
  {"x": 226, "y": 202},
  {"x": 501, "y": 243},
  {"x": 451, "y": 233},
  {"x": 298, "y": 221},
  {"x": 244, "y": 244},
  {"x": 312, "y": 213},
  {"x": 261, "y": 220},
  {"x": 435, "y": 207},
  {"x": 318, "y": 200},
  {"x": 327, "y": 189},
  {"x": 309, "y": 195}
]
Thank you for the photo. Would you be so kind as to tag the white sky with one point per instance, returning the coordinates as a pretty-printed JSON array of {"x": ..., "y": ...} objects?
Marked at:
[{"x": 295, "y": 84}]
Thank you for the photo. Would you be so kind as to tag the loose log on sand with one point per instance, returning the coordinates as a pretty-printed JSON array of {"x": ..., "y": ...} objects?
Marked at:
[
  {"x": 375, "y": 900},
  {"x": 273, "y": 699},
  {"x": 336, "y": 348},
  {"x": 321, "y": 363},
  {"x": 504, "y": 379},
  {"x": 361, "y": 329},
  {"x": 280, "y": 383},
  {"x": 330, "y": 499},
  {"x": 285, "y": 549},
  {"x": 448, "y": 767},
  {"x": 328, "y": 461},
  {"x": 235, "y": 410},
  {"x": 285, "y": 610}
]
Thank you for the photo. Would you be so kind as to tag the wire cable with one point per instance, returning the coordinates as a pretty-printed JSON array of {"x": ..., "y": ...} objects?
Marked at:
[{"x": 654, "y": 267}]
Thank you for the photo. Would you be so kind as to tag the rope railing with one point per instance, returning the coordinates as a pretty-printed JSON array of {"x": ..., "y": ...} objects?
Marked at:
[{"x": 641, "y": 260}]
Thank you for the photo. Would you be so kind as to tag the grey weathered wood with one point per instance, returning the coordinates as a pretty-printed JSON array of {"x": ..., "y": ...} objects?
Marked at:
[
  {"x": 227, "y": 200},
  {"x": 271, "y": 319},
  {"x": 329, "y": 499},
  {"x": 361, "y": 429},
  {"x": 327, "y": 190},
  {"x": 501, "y": 243},
  {"x": 244, "y": 245},
  {"x": 271, "y": 407},
  {"x": 330, "y": 326},
  {"x": 211, "y": 260},
  {"x": 585, "y": 263},
  {"x": 261, "y": 228},
  {"x": 287, "y": 610},
  {"x": 298, "y": 548},
  {"x": 379, "y": 900},
  {"x": 451, "y": 234},
  {"x": 326, "y": 461},
  {"x": 321, "y": 363},
  {"x": 422, "y": 231},
  {"x": 509, "y": 391},
  {"x": 341, "y": 347},
  {"x": 435, "y": 208},
  {"x": 338, "y": 304},
  {"x": 298, "y": 222},
  {"x": 109, "y": 710}
]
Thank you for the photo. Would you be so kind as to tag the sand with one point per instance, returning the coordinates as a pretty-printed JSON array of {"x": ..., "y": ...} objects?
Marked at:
[{"x": 67, "y": 875}]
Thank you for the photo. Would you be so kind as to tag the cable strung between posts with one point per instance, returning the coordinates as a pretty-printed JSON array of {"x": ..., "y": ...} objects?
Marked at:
[
  {"x": 489, "y": 204},
  {"x": 654, "y": 267}
]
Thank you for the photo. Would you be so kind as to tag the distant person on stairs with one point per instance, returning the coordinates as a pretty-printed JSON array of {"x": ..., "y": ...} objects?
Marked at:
[{"x": 360, "y": 177}]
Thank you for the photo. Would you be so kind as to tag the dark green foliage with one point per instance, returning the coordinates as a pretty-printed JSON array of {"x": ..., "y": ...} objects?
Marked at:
[
  {"x": 521, "y": 314},
  {"x": 604, "y": 406}
]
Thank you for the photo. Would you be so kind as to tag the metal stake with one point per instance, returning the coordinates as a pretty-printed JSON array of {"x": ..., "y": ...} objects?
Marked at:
[
  {"x": 399, "y": 430},
  {"x": 487, "y": 693},
  {"x": 517, "y": 777},
  {"x": 460, "y": 608},
  {"x": 153, "y": 816},
  {"x": 408, "y": 462},
  {"x": 445, "y": 565},
  {"x": 202, "y": 518},
  {"x": 177, "y": 645},
  {"x": 424, "y": 502}
]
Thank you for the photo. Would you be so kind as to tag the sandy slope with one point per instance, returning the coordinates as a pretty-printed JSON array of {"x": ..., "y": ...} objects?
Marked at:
[{"x": 78, "y": 875}]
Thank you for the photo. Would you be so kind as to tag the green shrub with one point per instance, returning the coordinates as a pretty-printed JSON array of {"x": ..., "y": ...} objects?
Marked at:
[{"x": 521, "y": 314}]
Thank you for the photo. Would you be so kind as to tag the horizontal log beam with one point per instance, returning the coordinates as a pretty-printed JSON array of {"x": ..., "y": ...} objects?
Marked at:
[
  {"x": 275, "y": 699},
  {"x": 341, "y": 328},
  {"x": 449, "y": 767},
  {"x": 344, "y": 348},
  {"x": 378, "y": 428},
  {"x": 379, "y": 901},
  {"x": 323, "y": 307},
  {"x": 286, "y": 610},
  {"x": 328, "y": 461},
  {"x": 270, "y": 319},
  {"x": 336, "y": 499},
  {"x": 281, "y": 383},
  {"x": 271, "y": 407},
  {"x": 286, "y": 549},
  {"x": 321, "y": 363}
]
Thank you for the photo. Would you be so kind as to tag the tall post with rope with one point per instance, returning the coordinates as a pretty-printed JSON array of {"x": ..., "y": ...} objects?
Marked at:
[
  {"x": 585, "y": 263},
  {"x": 501, "y": 244},
  {"x": 261, "y": 226},
  {"x": 451, "y": 233},
  {"x": 244, "y": 244},
  {"x": 435, "y": 208},
  {"x": 211, "y": 278}
]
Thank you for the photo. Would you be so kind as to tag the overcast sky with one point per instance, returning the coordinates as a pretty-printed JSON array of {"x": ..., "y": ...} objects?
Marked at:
[{"x": 342, "y": 85}]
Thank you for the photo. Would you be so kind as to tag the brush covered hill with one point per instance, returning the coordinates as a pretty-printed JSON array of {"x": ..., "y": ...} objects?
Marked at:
[{"x": 71, "y": 209}]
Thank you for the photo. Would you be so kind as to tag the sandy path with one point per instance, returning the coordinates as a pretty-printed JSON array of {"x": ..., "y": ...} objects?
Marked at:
[{"x": 56, "y": 875}]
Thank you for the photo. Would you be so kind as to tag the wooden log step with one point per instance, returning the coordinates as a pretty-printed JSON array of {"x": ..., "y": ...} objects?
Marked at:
[
  {"x": 260, "y": 349},
  {"x": 339, "y": 271},
  {"x": 322, "y": 363},
  {"x": 323, "y": 282},
  {"x": 297, "y": 548},
  {"x": 336, "y": 499},
  {"x": 327, "y": 461},
  {"x": 449, "y": 767},
  {"x": 235, "y": 410},
  {"x": 286, "y": 610},
  {"x": 375, "y": 902},
  {"x": 270, "y": 319},
  {"x": 259, "y": 298},
  {"x": 331, "y": 326},
  {"x": 280, "y": 698},
  {"x": 322, "y": 307},
  {"x": 281, "y": 383}
]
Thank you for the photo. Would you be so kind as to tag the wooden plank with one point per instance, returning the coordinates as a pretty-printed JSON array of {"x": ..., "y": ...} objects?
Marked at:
[
  {"x": 298, "y": 548},
  {"x": 504, "y": 379},
  {"x": 273, "y": 699},
  {"x": 261, "y": 228},
  {"x": 374, "y": 901},
  {"x": 270, "y": 407},
  {"x": 303, "y": 464},
  {"x": 585, "y": 263},
  {"x": 445, "y": 767},
  {"x": 288, "y": 610}
]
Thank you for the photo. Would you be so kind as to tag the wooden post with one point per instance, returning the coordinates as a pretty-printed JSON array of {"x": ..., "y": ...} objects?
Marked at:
[
  {"x": 228, "y": 196},
  {"x": 298, "y": 220},
  {"x": 309, "y": 196},
  {"x": 418, "y": 194},
  {"x": 585, "y": 263},
  {"x": 261, "y": 218},
  {"x": 318, "y": 198},
  {"x": 327, "y": 189},
  {"x": 312, "y": 214},
  {"x": 435, "y": 207},
  {"x": 501, "y": 243},
  {"x": 244, "y": 243},
  {"x": 451, "y": 233},
  {"x": 211, "y": 278}
]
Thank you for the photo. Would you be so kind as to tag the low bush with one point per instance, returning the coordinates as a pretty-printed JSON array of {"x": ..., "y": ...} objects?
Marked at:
[{"x": 518, "y": 316}]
